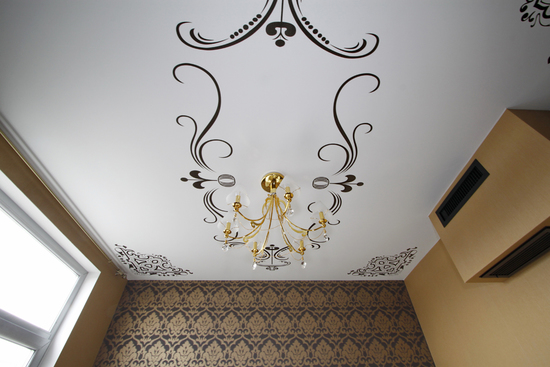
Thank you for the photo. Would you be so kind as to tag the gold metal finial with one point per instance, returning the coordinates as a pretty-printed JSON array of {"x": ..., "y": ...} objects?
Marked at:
[{"x": 271, "y": 181}]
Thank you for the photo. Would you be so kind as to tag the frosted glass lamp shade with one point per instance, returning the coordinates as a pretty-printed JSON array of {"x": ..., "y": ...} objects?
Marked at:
[
  {"x": 238, "y": 191},
  {"x": 288, "y": 182},
  {"x": 318, "y": 207}
]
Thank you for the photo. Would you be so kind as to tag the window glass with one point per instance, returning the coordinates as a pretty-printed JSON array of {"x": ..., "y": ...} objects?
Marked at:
[
  {"x": 14, "y": 355},
  {"x": 34, "y": 283}
]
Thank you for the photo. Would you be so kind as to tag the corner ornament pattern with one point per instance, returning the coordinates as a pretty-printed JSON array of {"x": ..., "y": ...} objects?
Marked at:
[
  {"x": 279, "y": 29},
  {"x": 536, "y": 11},
  {"x": 386, "y": 265},
  {"x": 144, "y": 264}
]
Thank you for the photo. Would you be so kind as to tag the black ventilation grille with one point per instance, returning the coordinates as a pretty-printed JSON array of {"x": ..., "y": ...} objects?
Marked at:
[
  {"x": 531, "y": 250},
  {"x": 459, "y": 195}
]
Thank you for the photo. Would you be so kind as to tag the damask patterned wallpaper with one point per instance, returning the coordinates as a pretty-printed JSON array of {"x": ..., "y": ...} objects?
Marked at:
[{"x": 205, "y": 323}]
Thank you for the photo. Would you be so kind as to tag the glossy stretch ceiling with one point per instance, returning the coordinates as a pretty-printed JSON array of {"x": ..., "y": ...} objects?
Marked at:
[{"x": 143, "y": 116}]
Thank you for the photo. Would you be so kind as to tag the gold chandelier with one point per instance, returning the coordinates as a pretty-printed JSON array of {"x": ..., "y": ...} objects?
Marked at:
[{"x": 275, "y": 214}]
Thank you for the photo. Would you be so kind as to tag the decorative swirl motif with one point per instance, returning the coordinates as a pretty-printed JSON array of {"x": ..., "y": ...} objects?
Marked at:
[
  {"x": 346, "y": 184},
  {"x": 271, "y": 29},
  {"x": 196, "y": 147},
  {"x": 148, "y": 264},
  {"x": 336, "y": 204},
  {"x": 231, "y": 241},
  {"x": 321, "y": 183},
  {"x": 355, "y": 52},
  {"x": 386, "y": 265},
  {"x": 192, "y": 38},
  {"x": 195, "y": 40},
  {"x": 211, "y": 207},
  {"x": 536, "y": 11},
  {"x": 351, "y": 149},
  {"x": 334, "y": 208},
  {"x": 197, "y": 178},
  {"x": 272, "y": 253},
  {"x": 224, "y": 180}
]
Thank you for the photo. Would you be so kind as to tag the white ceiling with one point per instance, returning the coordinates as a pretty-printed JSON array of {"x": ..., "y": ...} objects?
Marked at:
[{"x": 89, "y": 91}]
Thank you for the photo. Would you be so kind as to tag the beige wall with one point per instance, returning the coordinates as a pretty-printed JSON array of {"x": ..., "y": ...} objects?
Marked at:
[
  {"x": 512, "y": 202},
  {"x": 469, "y": 321},
  {"x": 482, "y": 324},
  {"x": 89, "y": 331}
]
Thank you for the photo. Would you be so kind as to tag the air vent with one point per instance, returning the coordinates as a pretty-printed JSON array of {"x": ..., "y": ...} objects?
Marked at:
[
  {"x": 531, "y": 250},
  {"x": 464, "y": 189}
]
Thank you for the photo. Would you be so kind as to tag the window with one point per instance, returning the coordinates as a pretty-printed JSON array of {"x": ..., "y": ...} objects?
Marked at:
[{"x": 38, "y": 282}]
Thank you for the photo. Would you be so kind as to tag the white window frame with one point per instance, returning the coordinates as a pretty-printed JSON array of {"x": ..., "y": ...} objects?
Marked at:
[{"x": 47, "y": 344}]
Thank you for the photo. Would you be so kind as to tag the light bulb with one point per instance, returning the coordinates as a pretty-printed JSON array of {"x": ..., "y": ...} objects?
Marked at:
[
  {"x": 254, "y": 266},
  {"x": 303, "y": 264},
  {"x": 225, "y": 248}
]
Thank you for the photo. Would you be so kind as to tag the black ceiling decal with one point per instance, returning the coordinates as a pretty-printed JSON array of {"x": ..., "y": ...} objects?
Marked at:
[
  {"x": 350, "y": 149},
  {"x": 148, "y": 264},
  {"x": 224, "y": 180},
  {"x": 350, "y": 152},
  {"x": 231, "y": 241},
  {"x": 357, "y": 51},
  {"x": 536, "y": 11},
  {"x": 193, "y": 39},
  {"x": 281, "y": 31},
  {"x": 386, "y": 265},
  {"x": 321, "y": 183},
  {"x": 211, "y": 207},
  {"x": 273, "y": 258},
  {"x": 276, "y": 29},
  {"x": 335, "y": 207},
  {"x": 197, "y": 145}
]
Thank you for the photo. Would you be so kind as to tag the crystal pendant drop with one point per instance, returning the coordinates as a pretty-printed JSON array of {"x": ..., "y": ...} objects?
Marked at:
[
  {"x": 304, "y": 264},
  {"x": 290, "y": 212},
  {"x": 326, "y": 236},
  {"x": 225, "y": 248},
  {"x": 235, "y": 225},
  {"x": 254, "y": 266}
]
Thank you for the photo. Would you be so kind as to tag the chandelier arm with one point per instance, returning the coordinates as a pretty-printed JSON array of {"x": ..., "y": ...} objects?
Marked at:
[
  {"x": 259, "y": 221},
  {"x": 280, "y": 217},
  {"x": 296, "y": 228},
  {"x": 297, "y": 258},
  {"x": 269, "y": 211},
  {"x": 252, "y": 233},
  {"x": 248, "y": 219},
  {"x": 286, "y": 241},
  {"x": 232, "y": 238}
]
